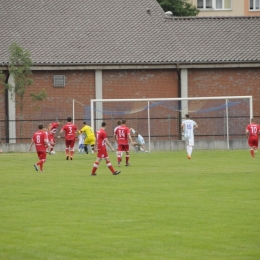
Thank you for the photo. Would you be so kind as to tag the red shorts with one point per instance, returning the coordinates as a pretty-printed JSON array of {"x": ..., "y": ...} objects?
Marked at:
[
  {"x": 123, "y": 148},
  {"x": 51, "y": 139},
  {"x": 102, "y": 153},
  {"x": 70, "y": 143},
  {"x": 253, "y": 141},
  {"x": 41, "y": 155}
]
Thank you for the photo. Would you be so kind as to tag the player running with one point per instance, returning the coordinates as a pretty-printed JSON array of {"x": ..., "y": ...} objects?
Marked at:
[
  {"x": 188, "y": 126},
  {"x": 100, "y": 146},
  {"x": 52, "y": 129},
  {"x": 122, "y": 136},
  {"x": 252, "y": 132},
  {"x": 40, "y": 139},
  {"x": 89, "y": 137},
  {"x": 70, "y": 136}
]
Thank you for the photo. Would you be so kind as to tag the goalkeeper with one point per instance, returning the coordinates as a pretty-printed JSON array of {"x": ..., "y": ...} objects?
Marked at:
[
  {"x": 89, "y": 137},
  {"x": 139, "y": 143}
]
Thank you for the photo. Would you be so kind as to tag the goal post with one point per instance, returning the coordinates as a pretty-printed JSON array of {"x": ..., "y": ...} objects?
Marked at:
[{"x": 218, "y": 118}]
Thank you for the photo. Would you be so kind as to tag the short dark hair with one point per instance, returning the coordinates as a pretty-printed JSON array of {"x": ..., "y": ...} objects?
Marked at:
[
  {"x": 69, "y": 119},
  {"x": 119, "y": 122},
  {"x": 40, "y": 126},
  {"x": 103, "y": 124},
  {"x": 84, "y": 123},
  {"x": 187, "y": 116},
  {"x": 123, "y": 121}
]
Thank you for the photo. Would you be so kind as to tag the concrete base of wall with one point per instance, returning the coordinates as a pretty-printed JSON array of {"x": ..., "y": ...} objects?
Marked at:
[{"x": 155, "y": 146}]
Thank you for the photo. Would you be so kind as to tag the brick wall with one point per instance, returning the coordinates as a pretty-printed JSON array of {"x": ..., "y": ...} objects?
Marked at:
[
  {"x": 80, "y": 85},
  {"x": 226, "y": 82}
]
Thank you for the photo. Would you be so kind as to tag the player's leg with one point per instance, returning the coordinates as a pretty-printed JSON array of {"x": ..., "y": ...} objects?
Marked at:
[
  {"x": 119, "y": 154},
  {"x": 127, "y": 155},
  {"x": 67, "y": 151},
  {"x": 96, "y": 164},
  {"x": 42, "y": 157},
  {"x": 190, "y": 148},
  {"x": 86, "y": 147},
  {"x": 251, "y": 144},
  {"x": 110, "y": 166},
  {"x": 72, "y": 144},
  {"x": 92, "y": 144}
]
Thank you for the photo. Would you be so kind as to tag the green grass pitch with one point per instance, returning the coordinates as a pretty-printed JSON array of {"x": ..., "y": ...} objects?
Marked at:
[{"x": 162, "y": 207}]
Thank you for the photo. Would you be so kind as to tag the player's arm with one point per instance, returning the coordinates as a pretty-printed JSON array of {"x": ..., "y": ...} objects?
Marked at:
[
  {"x": 130, "y": 138},
  {"x": 196, "y": 126},
  {"x": 115, "y": 136},
  {"x": 109, "y": 144},
  {"x": 61, "y": 131},
  {"x": 182, "y": 127},
  {"x": 247, "y": 133},
  {"x": 32, "y": 142},
  {"x": 46, "y": 142}
]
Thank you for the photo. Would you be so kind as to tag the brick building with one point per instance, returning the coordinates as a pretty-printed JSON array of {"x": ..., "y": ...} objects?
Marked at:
[{"x": 122, "y": 50}]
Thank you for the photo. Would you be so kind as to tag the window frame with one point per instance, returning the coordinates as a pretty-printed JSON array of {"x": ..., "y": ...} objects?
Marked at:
[
  {"x": 254, "y": 6},
  {"x": 214, "y": 5},
  {"x": 59, "y": 81}
]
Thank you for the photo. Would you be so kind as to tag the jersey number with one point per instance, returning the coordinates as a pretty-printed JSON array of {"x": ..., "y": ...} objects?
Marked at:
[
  {"x": 121, "y": 133},
  {"x": 189, "y": 126},
  {"x": 253, "y": 129},
  {"x": 38, "y": 139}
]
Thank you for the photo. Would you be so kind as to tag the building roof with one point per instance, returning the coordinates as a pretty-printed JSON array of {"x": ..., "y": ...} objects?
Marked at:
[{"x": 87, "y": 32}]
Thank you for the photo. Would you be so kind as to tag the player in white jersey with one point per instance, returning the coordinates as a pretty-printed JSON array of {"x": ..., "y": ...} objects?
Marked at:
[
  {"x": 188, "y": 126},
  {"x": 139, "y": 143},
  {"x": 81, "y": 138}
]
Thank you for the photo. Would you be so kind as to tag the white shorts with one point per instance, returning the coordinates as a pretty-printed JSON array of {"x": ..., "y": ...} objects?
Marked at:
[{"x": 190, "y": 141}]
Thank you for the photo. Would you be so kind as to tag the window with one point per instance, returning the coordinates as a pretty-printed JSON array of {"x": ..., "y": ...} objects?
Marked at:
[
  {"x": 255, "y": 5},
  {"x": 223, "y": 4},
  {"x": 204, "y": 4},
  {"x": 59, "y": 81},
  {"x": 215, "y": 4}
]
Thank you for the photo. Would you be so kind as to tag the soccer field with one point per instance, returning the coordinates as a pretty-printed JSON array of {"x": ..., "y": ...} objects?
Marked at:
[{"x": 161, "y": 207}]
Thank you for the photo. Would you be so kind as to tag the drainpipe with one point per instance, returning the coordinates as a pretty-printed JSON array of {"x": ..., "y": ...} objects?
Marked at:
[
  {"x": 179, "y": 102},
  {"x": 7, "y": 110}
]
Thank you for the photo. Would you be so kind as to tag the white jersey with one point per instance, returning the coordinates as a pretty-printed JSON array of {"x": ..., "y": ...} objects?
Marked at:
[
  {"x": 81, "y": 138},
  {"x": 139, "y": 139},
  {"x": 188, "y": 125}
]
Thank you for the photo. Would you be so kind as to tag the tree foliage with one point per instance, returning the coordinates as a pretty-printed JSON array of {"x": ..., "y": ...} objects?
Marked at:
[
  {"x": 179, "y": 7},
  {"x": 20, "y": 64}
]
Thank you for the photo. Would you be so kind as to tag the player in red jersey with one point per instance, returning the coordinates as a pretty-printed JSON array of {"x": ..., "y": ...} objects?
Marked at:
[
  {"x": 52, "y": 129},
  {"x": 122, "y": 136},
  {"x": 40, "y": 139},
  {"x": 100, "y": 147},
  {"x": 252, "y": 132},
  {"x": 70, "y": 136}
]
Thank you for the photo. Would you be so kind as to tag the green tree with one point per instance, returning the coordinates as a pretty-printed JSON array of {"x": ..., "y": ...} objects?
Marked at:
[
  {"x": 20, "y": 64},
  {"x": 179, "y": 7}
]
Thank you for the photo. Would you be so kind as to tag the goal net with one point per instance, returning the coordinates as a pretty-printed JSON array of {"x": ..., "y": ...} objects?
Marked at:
[{"x": 159, "y": 119}]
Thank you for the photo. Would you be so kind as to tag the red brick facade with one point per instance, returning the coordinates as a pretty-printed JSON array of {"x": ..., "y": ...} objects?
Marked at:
[{"x": 160, "y": 83}]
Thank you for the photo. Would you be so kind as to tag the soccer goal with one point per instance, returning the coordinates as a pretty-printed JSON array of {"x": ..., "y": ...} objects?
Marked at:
[{"x": 159, "y": 119}]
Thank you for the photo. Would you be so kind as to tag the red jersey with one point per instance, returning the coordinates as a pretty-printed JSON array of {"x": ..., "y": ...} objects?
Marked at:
[
  {"x": 40, "y": 138},
  {"x": 253, "y": 129},
  {"x": 122, "y": 133},
  {"x": 70, "y": 131},
  {"x": 53, "y": 127},
  {"x": 101, "y": 139}
]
